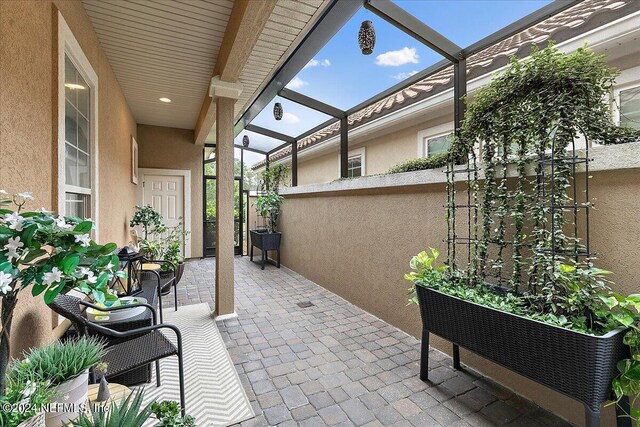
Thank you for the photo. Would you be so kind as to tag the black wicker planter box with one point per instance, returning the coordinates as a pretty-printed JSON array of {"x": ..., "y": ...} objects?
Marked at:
[
  {"x": 577, "y": 365},
  {"x": 265, "y": 241}
]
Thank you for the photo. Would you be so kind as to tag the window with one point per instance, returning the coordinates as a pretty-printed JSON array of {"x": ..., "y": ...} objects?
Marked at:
[
  {"x": 629, "y": 104},
  {"x": 354, "y": 166},
  {"x": 437, "y": 144},
  {"x": 77, "y": 129}
]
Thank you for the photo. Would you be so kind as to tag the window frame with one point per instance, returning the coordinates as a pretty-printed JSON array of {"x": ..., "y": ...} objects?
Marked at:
[
  {"x": 615, "y": 108},
  {"x": 430, "y": 133},
  {"x": 353, "y": 153},
  {"x": 68, "y": 46}
]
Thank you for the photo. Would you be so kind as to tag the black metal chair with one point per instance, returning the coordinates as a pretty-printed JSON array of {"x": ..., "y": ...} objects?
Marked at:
[
  {"x": 134, "y": 348},
  {"x": 162, "y": 282}
]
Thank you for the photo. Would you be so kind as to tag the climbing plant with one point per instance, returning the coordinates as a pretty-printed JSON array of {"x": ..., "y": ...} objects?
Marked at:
[{"x": 524, "y": 124}]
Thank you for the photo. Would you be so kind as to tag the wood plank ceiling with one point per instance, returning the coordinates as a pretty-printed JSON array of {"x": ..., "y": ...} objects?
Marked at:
[{"x": 161, "y": 48}]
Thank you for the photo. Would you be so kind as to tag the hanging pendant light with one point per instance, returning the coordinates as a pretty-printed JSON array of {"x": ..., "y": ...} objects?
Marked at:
[
  {"x": 367, "y": 37},
  {"x": 277, "y": 111},
  {"x": 245, "y": 141}
]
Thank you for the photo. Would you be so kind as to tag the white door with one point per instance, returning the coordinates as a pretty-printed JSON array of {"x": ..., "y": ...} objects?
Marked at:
[{"x": 165, "y": 194}]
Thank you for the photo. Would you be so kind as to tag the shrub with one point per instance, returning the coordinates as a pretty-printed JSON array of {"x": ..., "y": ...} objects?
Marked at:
[{"x": 421, "y": 163}]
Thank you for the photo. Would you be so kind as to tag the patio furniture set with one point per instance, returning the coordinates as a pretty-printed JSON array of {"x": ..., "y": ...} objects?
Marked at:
[{"x": 133, "y": 335}]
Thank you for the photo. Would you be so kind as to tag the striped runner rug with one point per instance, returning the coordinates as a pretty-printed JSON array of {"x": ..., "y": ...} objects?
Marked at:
[{"x": 214, "y": 394}]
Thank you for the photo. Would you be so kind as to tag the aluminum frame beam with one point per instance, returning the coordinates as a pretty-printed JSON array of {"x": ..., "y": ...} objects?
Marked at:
[
  {"x": 270, "y": 133},
  {"x": 309, "y": 102},
  {"x": 335, "y": 16},
  {"x": 411, "y": 25},
  {"x": 344, "y": 147}
]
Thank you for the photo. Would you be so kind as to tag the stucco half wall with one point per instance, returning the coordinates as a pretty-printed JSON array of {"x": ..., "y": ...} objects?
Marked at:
[
  {"x": 29, "y": 135},
  {"x": 171, "y": 148},
  {"x": 358, "y": 242}
]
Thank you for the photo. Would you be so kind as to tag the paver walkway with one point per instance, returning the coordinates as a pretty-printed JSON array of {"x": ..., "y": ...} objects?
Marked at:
[{"x": 335, "y": 364}]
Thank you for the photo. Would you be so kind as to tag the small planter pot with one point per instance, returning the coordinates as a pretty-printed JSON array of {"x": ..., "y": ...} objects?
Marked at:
[
  {"x": 575, "y": 364},
  {"x": 35, "y": 421},
  {"x": 71, "y": 399},
  {"x": 265, "y": 241}
]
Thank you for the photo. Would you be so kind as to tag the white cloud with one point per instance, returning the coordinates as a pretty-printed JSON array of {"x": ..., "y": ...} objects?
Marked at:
[
  {"x": 395, "y": 58},
  {"x": 290, "y": 118},
  {"x": 404, "y": 75},
  {"x": 315, "y": 63},
  {"x": 297, "y": 83}
]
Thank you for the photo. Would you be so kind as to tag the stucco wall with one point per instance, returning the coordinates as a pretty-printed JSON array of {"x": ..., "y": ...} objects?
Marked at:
[
  {"x": 379, "y": 229},
  {"x": 28, "y": 130},
  {"x": 170, "y": 148}
]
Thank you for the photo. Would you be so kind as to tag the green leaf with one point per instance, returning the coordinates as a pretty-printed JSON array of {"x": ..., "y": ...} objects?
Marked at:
[
  {"x": 33, "y": 254},
  {"x": 37, "y": 289},
  {"x": 69, "y": 264},
  {"x": 84, "y": 227},
  {"x": 108, "y": 248},
  {"x": 633, "y": 371},
  {"x": 609, "y": 301},
  {"x": 6, "y": 267},
  {"x": 99, "y": 296},
  {"x": 53, "y": 292}
]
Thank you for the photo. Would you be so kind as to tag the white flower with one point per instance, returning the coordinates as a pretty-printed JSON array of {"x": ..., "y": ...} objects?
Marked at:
[
  {"x": 12, "y": 247},
  {"x": 53, "y": 277},
  {"x": 109, "y": 266},
  {"x": 15, "y": 221},
  {"x": 91, "y": 278},
  {"x": 29, "y": 389},
  {"x": 83, "y": 271},
  {"x": 26, "y": 195},
  {"x": 13, "y": 243},
  {"x": 60, "y": 222},
  {"x": 83, "y": 239},
  {"x": 5, "y": 283},
  {"x": 3, "y": 193}
]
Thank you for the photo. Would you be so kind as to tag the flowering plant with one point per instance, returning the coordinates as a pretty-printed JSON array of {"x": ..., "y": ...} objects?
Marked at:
[
  {"x": 51, "y": 255},
  {"x": 24, "y": 399}
]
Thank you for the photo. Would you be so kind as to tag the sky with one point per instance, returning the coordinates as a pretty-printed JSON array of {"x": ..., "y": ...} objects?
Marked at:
[{"x": 340, "y": 75}]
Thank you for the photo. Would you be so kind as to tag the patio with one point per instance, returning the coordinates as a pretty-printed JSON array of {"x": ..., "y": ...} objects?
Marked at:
[{"x": 335, "y": 364}]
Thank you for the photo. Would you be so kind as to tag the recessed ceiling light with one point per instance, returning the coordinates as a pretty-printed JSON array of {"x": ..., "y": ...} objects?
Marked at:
[{"x": 165, "y": 100}]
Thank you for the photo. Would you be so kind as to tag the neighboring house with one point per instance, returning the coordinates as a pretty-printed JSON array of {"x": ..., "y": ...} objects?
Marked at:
[{"x": 418, "y": 120}]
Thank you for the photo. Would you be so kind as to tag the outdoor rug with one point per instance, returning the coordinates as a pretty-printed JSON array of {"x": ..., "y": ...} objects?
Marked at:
[{"x": 214, "y": 394}]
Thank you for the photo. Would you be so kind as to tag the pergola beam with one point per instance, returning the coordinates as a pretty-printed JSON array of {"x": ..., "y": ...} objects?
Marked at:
[
  {"x": 411, "y": 25},
  {"x": 248, "y": 19},
  {"x": 270, "y": 133},
  {"x": 335, "y": 16},
  {"x": 317, "y": 128},
  {"x": 280, "y": 147},
  {"x": 309, "y": 102}
]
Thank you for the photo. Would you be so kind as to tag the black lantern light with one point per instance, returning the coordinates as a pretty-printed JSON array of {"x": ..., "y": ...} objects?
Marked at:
[
  {"x": 245, "y": 141},
  {"x": 277, "y": 111},
  {"x": 367, "y": 37}
]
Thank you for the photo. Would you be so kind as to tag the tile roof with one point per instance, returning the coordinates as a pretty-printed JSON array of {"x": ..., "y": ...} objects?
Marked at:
[{"x": 563, "y": 26}]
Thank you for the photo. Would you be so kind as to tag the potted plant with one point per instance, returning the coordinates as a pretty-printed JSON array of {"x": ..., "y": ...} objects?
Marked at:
[
  {"x": 171, "y": 250},
  {"x": 268, "y": 207},
  {"x": 519, "y": 286},
  {"x": 129, "y": 412},
  {"x": 49, "y": 254},
  {"x": 24, "y": 402},
  {"x": 64, "y": 366}
]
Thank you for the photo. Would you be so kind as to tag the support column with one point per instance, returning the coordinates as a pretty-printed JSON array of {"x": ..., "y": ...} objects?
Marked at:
[
  {"x": 294, "y": 164},
  {"x": 459, "y": 90},
  {"x": 225, "y": 95},
  {"x": 344, "y": 147}
]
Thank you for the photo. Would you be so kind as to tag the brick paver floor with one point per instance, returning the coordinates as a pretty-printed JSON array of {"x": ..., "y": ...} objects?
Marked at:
[{"x": 335, "y": 364}]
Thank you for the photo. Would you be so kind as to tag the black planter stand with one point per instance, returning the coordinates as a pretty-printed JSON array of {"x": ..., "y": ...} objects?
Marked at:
[
  {"x": 577, "y": 365},
  {"x": 266, "y": 242}
]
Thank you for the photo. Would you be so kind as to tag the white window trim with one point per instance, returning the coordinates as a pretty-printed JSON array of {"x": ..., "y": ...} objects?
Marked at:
[
  {"x": 615, "y": 107},
  {"x": 358, "y": 151},
  {"x": 68, "y": 45},
  {"x": 433, "y": 132}
]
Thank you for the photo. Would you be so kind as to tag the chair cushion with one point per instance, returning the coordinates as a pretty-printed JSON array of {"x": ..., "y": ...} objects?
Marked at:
[{"x": 138, "y": 352}]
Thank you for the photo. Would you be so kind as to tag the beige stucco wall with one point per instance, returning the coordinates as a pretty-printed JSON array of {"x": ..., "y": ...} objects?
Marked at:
[
  {"x": 382, "y": 150},
  {"x": 378, "y": 231},
  {"x": 28, "y": 129},
  {"x": 171, "y": 148}
]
